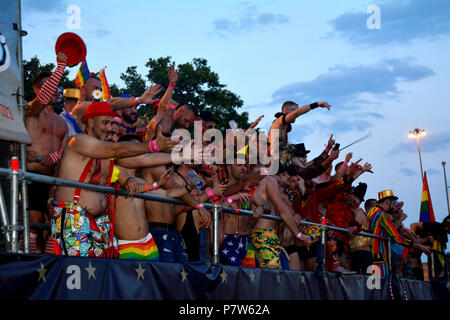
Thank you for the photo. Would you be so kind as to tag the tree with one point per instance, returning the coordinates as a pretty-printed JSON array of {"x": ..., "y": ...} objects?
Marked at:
[
  {"x": 197, "y": 85},
  {"x": 32, "y": 68}
]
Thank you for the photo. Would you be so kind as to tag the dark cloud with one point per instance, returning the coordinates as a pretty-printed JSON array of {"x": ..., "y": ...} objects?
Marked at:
[
  {"x": 342, "y": 84},
  {"x": 408, "y": 172},
  {"x": 249, "y": 20},
  {"x": 401, "y": 22},
  {"x": 432, "y": 142}
]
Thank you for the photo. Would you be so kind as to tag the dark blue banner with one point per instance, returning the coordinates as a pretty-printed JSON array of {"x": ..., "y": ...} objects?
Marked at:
[{"x": 42, "y": 277}]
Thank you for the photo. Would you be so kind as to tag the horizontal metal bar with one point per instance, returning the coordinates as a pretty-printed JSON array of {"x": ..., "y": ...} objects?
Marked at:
[{"x": 153, "y": 197}]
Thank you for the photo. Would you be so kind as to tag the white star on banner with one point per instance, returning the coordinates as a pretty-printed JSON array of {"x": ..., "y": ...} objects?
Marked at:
[
  {"x": 230, "y": 243},
  {"x": 252, "y": 277},
  {"x": 233, "y": 259},
  {"x": 278, "y": 276},
  {"x": 241, "y": 245},
  {"x": 225, "y": 251},
  {"x": 91, "y": 271},
  {"x": 224, "y": 275},
  {"x": 41, "y": 271},
  {"x": 140, "y": 271},
  {"x": 303, "y": 279},
  {"x": 184, "y": 275}
]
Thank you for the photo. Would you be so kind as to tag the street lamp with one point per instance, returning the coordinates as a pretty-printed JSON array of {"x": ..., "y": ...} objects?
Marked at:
[
  {"x": 417, "y": 133},
  {"x": 446, "y": 186}
]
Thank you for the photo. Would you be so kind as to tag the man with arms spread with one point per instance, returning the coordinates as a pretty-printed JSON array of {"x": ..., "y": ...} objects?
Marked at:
[{"x": 289, "y": 113}]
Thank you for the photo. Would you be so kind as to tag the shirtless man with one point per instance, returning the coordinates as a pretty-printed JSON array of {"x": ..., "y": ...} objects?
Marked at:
[
  {"x": 48, "y": 133},
  {"x": 130, "y": 227},
  {"x": 236, "y": 247},
  {"x": 264, "y": 234},
  {"x": 289, "y": 113},
  {"x": 79, "y": 225}
]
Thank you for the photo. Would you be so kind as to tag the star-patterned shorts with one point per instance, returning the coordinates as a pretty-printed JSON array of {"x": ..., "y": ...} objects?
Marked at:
[
  {"x": 268, "y": 247},
  {"x": 238, "y": 250}
]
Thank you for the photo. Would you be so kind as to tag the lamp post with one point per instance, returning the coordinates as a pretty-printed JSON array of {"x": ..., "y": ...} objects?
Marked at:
[
  {"x": 446, "y": 186},
  {"x": 417, "y": 133}
]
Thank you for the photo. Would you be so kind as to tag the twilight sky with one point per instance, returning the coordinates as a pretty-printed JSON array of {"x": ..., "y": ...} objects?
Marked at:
[{"x": 384, "y": 81}]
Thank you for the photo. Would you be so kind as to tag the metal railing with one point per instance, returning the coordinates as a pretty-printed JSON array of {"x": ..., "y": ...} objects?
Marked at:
[{"x": 11, "y": 231}]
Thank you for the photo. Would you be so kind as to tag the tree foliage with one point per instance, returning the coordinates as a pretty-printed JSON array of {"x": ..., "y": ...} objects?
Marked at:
[{"x": 197, "y": 85}]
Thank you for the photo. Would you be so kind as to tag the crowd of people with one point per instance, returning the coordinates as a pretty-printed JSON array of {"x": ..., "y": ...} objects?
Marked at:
[{"x": 106, "y": 143}]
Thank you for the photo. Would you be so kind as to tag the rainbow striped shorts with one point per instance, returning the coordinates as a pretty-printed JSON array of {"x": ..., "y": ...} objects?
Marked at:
[{"x": 142, "y": 249}]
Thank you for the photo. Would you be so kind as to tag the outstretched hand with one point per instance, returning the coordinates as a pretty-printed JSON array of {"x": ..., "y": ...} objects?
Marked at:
[
  {"x": 164, "y": 143},
  {"x": 172, "y": 74},
  {"x": 324, "y": 104},
  {"x": 150, "y": 93}
]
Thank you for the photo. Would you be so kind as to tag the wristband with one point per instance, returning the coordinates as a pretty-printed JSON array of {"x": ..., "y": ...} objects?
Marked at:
[
  {"x": 155, "y": 185},
  {"x": 210, "y": 193},
  {"x": 299, "y": 235},
  {"x": 327, "y": 149},
  {"x": 49, "y": 201},
  {"x": 229, "y": 199},
  {"x": 155, "y": 146},
  {"x": 136, "y": 101},
  {"x": 131, "y": 102},
  {"x": 171, "y": 85},
  {"x": 170, "y": 107},
  {"x": 200, "y": 205},
  {"x": 150, "y": 146},
  {"x": 146, "y": 188},
  {"x": 313, "y": 105}
]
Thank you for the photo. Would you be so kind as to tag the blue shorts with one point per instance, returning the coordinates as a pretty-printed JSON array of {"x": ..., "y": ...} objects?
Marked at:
[{"x": 170, "y": 245}]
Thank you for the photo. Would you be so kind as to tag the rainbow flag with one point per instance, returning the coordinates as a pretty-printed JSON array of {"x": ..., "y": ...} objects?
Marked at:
[
  {"x": 83, "y": 74},
  {"x": 139, "y": 251},
  {"x": 426, "y": 207},
  {"x": 106, "y": 95}
]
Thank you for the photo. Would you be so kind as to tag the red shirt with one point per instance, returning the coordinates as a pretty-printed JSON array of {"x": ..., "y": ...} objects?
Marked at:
[{"x": 309, "y": 210}]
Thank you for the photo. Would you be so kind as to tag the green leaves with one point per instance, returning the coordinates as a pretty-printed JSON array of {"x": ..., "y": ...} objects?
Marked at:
[{"x": 197, "y": 85}]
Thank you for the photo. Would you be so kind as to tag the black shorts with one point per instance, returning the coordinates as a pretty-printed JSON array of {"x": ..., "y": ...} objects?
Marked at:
[
  {"x": 38, "y": 196},
  {"x": 305, "y": 254}
]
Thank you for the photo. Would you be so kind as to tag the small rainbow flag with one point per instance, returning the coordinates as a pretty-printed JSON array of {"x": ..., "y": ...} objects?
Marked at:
[
  {"x": 426, "y": 207},
  {"x": 83, "y": 74},
  {"x": 106, "y": 95}
]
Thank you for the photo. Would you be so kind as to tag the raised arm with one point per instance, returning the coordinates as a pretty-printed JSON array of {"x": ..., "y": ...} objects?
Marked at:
[
  {"x": 94, "y": 148},
  {"x": 291, "y": 116},
  {"x": 49, "y": 88},
  {"x": 146, "y": 98}
]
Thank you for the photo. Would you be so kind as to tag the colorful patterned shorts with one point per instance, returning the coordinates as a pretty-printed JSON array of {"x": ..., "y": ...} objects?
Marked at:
[
  {"x": 84, "y": 235},
  {"x": 143, "y": 249},
  {"x": 238, "y": 250},
  {"x": 268, "y": 247}
]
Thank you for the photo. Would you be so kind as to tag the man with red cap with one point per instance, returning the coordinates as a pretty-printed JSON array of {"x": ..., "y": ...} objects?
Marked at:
[{"x": 80, "y": 223}]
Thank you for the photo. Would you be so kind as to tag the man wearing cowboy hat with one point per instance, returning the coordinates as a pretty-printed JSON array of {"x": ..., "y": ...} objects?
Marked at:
[
  {"x": 308, "y": 170},
  {"x": 381, "y": 225}
]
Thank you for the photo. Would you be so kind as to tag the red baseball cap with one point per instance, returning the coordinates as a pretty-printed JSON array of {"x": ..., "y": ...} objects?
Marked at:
[{"x": 97, "y": 109}]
